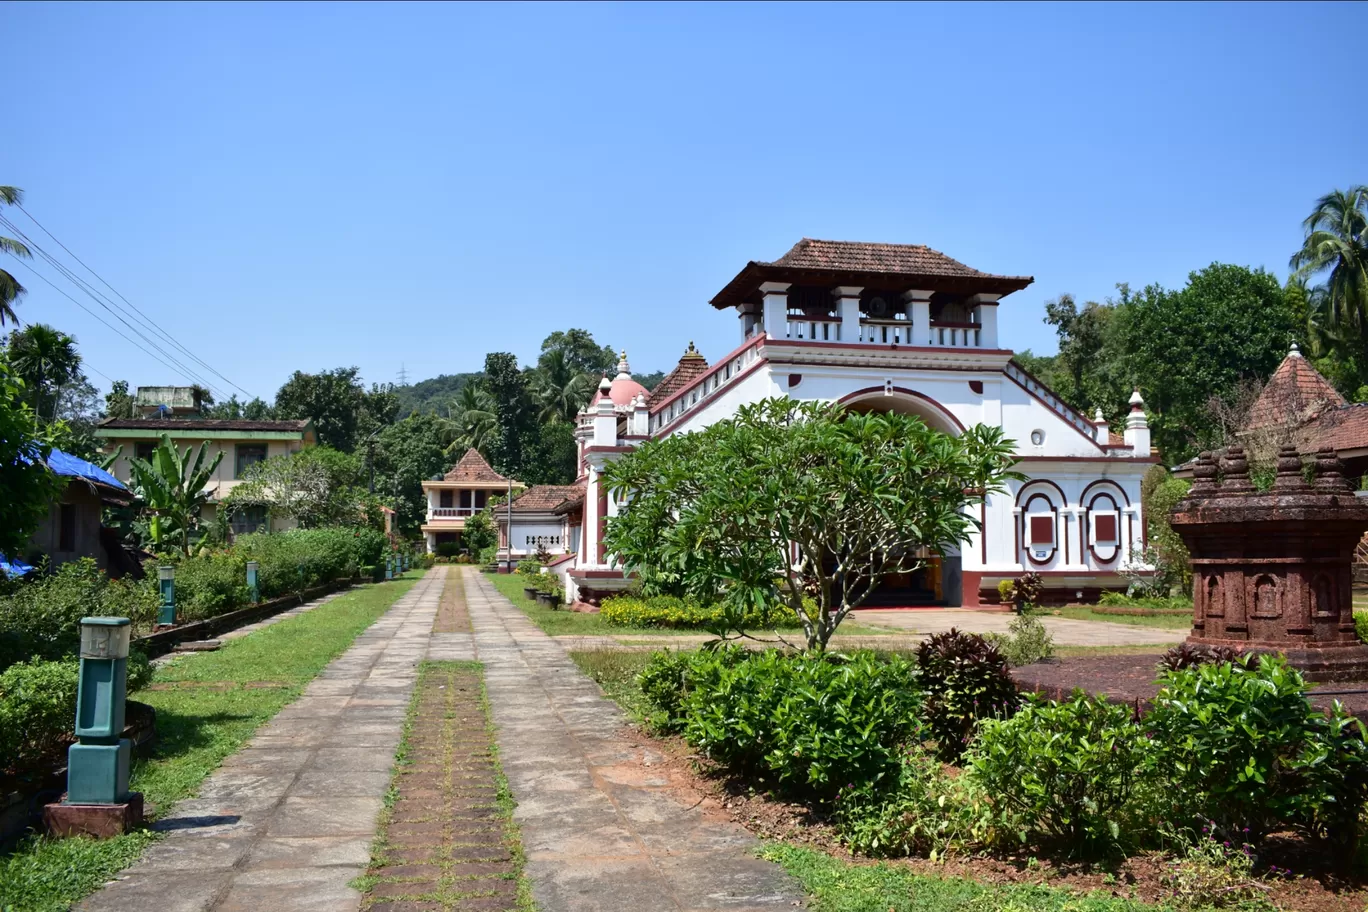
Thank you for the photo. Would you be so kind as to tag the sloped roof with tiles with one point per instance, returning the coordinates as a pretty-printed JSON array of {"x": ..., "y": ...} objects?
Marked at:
[
  {"x": 473, "y": 467},
  {"x": 182, "y": 425},
  {"x": 814, "y": 261},
  {"x": 1342, "y": 428},
  {"x": 1294, "y": 394},
  {"x": 691, "y": 366},
  {"x": 545, "y": 498}
]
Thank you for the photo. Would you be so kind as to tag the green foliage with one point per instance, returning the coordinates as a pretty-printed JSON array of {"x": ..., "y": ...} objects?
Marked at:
[
  {"x": 26, "y": 485},
  {"x": 316, "y": 487},
  {"x": 1336, "y": 246},
  {"x": 712, "y": 514},
  {"x": 40, "y": 618},
  {"x": 173, "y": 490},
  {"x": 479, "y": 534},
  {"x": 449, "y": 549},
  {"x": 46, "y": 361},
  {"x": 1361, "y": 625},
  {"x": 925, "y": 813},
  {"x": 1027, "y": 641},
  {"x": 1213, "y": 874},
  {"x": 806, "y": 725},
  {"x": 433, "y": 394},
  {"x": 1166, "y": 552},
  {"x": 965, "y": 679},
  {"x": 303, "y": 558},
  {"x": 669, "y": 675},
  {"x": 343, "y": 412},
  {"x": 1243, "y": 749},
  {"x": 406, "y": 454},
  {"x": 1063, "y": 773},
  {"x": 1006, "y": 591},
  {"x": 670, "y": 611},
  {"x": 1178, "y": 604},
  {"x": 529, "y": 567}
]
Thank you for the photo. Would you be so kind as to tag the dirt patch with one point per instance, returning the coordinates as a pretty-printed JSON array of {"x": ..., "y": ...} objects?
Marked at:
[
  {"x": 452, "y": 616},
  {"x": 671, "y": 762},
  {"x": 1132, "y": 679},
  {"x": 445, "y": 843}
]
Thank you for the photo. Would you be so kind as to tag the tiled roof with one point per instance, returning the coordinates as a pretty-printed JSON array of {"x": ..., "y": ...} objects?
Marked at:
[
  {"x": 866, "y": 264},
  {"x": 171, "y": 425},
  {"x": 1294, "y": 394},
  {"x": 1342, "y": 428},
  {"x": 545, "y": 498},
  {"x": 691, "y": 366},
  {"x": 859, "y": 256},
  {"x": 473, "y": 467}
]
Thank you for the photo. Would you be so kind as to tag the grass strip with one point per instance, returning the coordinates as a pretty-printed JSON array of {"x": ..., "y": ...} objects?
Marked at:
[
  {"x": 841, "y": 886},
  {"x": 197, "y": 727},
  {"x": 1084, "y": 613},
  {"x": 563, "y": 622},
  {"x": 436, "y": 859}
]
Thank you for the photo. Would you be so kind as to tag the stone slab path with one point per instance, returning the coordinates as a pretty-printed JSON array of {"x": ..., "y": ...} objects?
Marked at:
[
  {"x": 286, "y": 823},
  {"x": 598, "y": 833}
]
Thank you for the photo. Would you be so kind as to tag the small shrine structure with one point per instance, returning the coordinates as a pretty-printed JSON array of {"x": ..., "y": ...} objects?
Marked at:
[{"x": 1272, "y": 570}]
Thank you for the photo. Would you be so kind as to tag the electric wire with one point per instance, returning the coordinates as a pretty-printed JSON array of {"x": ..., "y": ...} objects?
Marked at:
[
  {"x": 100, "y": 299},
  {"x": 136, "y": 309}
]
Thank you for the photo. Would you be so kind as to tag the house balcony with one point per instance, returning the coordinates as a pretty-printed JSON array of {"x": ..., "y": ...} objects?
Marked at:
[
  {"x": 452, "y": 514},
  {"x": 937, "y": 333}
]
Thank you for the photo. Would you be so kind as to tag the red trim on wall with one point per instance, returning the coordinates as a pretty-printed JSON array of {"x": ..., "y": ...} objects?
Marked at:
[
  {"x": 1092, "y": 545},
  {"x": 1105, "y": 481},
  {"x": 893, "y": 346},
  {"x": 881, "y": 390},
  {"x": 657, "y": 407},
  {"x": 736, "y": 378},
  {"x": 970, "y": 580},
  {"x": 602, "y": 521},
  {"x": 1030, "y": 542},
  {"x": 1022, "y": 490}
]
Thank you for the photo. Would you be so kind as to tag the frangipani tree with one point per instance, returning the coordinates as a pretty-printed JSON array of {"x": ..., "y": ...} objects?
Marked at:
[
  {"x": 172, "y": 486},
  {"x": 791, "y": 497}
]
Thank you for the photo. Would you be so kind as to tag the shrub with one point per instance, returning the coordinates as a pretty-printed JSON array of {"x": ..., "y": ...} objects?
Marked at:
[
  {"x": 448, "y": 549},
  {"x": 1028, "y": 588},
  {"x": 1189, "y": 655},
  {"x": 1243, "y": 749},
  {"x": 1027, "y": 641},
  {"x": 1211, "y": 874},
  {"x": 369, "y": 546},
  {"x": 1062, "y": 773},
  {"x": 1361, "y": 624},
  {"x": 40, "y": 619},
  {"x": 1178, "y": 604},
  {"x": 208, "y": 585},
  {"x": 965, "y": 679},
  {"x": 669, "y": 611},
  {"x": 528, "y": 568},
  {"x": 806, "y": 724},
  {"x": 925, "y": 813}
]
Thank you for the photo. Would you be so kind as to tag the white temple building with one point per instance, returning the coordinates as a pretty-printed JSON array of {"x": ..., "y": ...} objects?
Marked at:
[{"x": 884, "y": 327}]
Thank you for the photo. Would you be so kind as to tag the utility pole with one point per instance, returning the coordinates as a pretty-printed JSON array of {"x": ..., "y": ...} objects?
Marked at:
[{"x": 509, "y": 514}]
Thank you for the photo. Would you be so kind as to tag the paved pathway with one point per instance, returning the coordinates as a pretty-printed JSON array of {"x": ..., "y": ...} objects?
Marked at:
[
  {"x": 598, "y": 833},
  {"x": 286, "y": 823}
]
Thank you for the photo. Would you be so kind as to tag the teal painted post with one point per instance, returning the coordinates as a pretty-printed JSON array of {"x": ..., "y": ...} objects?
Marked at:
[
  {"x": 97, "y": 766},
  {"x": 252, "y": 585},
  {"x": 166, "y": 576},
  {"x": 389, "y": 568}
]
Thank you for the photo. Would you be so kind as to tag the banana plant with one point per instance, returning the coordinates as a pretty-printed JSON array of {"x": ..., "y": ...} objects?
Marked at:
[{"x": 172, "y": 487}]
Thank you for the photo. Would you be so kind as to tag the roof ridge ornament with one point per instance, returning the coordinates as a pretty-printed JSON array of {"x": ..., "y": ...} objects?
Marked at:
[{"x": 624, "y": 369}]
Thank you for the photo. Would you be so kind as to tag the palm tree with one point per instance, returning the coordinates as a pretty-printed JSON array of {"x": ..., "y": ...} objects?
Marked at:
[
  {"x": 1337, "y": 241},
  {"x": 172, "y": 488},
  {"x": 47, "y": 360},
  {"x": 10, "y": 289},
  {"x": 559, "y": 389},
  {"x": 471, "y": 420}
]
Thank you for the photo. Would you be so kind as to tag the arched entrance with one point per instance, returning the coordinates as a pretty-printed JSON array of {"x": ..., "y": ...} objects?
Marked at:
[{"x": 937, "y": 581}]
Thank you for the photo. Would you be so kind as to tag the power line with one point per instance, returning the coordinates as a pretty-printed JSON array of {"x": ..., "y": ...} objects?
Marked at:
[
  {"x": 135, "y": 307},
  {"x": 111, "y": 326},
  {"x": 108, "y": 305}
]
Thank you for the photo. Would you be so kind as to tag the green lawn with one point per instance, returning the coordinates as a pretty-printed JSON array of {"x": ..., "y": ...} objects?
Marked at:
[
  {"x": 1083, "y": 613},
  {"x": 197, "y": 727},
  {"x": 840, "y": 886},
  {"x": 560, "y": 622}
]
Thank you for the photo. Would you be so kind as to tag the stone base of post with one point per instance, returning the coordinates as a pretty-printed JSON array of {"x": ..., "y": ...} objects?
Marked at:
[{"x": 98, "y": 821}]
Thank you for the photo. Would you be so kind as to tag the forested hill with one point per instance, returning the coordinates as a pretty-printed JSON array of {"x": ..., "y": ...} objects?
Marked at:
[{"x": 435, "y": 394}]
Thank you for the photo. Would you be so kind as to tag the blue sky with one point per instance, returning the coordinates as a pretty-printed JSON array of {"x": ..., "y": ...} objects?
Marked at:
[{"x": 305, "y": 186}]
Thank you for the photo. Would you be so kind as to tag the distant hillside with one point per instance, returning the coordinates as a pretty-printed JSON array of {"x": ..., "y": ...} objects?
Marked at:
[{"x": 432, "y": 395}]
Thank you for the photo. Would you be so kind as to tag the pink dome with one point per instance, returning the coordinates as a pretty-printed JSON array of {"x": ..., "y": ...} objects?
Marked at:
[{"x": 624, "y": 390}]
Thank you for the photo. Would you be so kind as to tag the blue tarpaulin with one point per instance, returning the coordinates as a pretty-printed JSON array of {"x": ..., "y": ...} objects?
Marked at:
[
  {"x": 14, "y": 567},
  {"x": 71, "y": 466}
]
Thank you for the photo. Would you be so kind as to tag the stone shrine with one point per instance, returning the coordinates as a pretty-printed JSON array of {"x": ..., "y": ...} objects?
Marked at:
[{"x": 1272, "y": 570}]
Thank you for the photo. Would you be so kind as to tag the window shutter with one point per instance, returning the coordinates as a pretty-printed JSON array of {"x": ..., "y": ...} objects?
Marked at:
[
  {"x": 1104, "y": 528},
  {"x": 1042, "y": 530}
]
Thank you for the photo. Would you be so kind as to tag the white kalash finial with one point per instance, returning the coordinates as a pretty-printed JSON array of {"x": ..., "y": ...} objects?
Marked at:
[
  {"x": 624, "y": 369},
  {"x": 1098, "y": 418},
  {"x": 1295, "y": 352}
]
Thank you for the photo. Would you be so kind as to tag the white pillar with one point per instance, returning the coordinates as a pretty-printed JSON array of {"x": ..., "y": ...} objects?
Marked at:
[
  {"x": 1077, "y": 559},
  {"x": 605, "y": 419},
  {"x": 919, "y": 314},
  {"x": 985, "y": 305},
  {"x": 1137, "y": 434},
  {"x": 848, "y": 308},
  {"x": 1101, "y": 428},
  {"x": 775, "y": 309},
  {"x": 431, "y": 538},
  {"x": 641, "y": 416}
]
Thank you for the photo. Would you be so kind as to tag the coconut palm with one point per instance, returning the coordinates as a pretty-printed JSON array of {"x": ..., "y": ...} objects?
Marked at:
[
  {"x": 10, "y": 289},
  {"x": 559, "y": 389},
  {"x": 1337, "y": 244},
  {"x": 172, "y": 488},
  {"x": 471, "y": 420},
  {"x": 47, "y": 360}
]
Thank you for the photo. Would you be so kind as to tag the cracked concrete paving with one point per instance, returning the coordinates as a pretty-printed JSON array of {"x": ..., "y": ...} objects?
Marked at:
[
  {"x": 286, "y": 823},
  {"x": 598, "y": 835}
]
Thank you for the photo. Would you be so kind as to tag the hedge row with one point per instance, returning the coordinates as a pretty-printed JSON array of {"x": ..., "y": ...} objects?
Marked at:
[{"x": 668, "y": 611}]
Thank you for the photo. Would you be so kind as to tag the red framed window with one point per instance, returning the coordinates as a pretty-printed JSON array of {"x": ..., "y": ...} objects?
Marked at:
[
  {"x": 1042, "y": 530},
  {"x": 1105, "y": 528}
]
